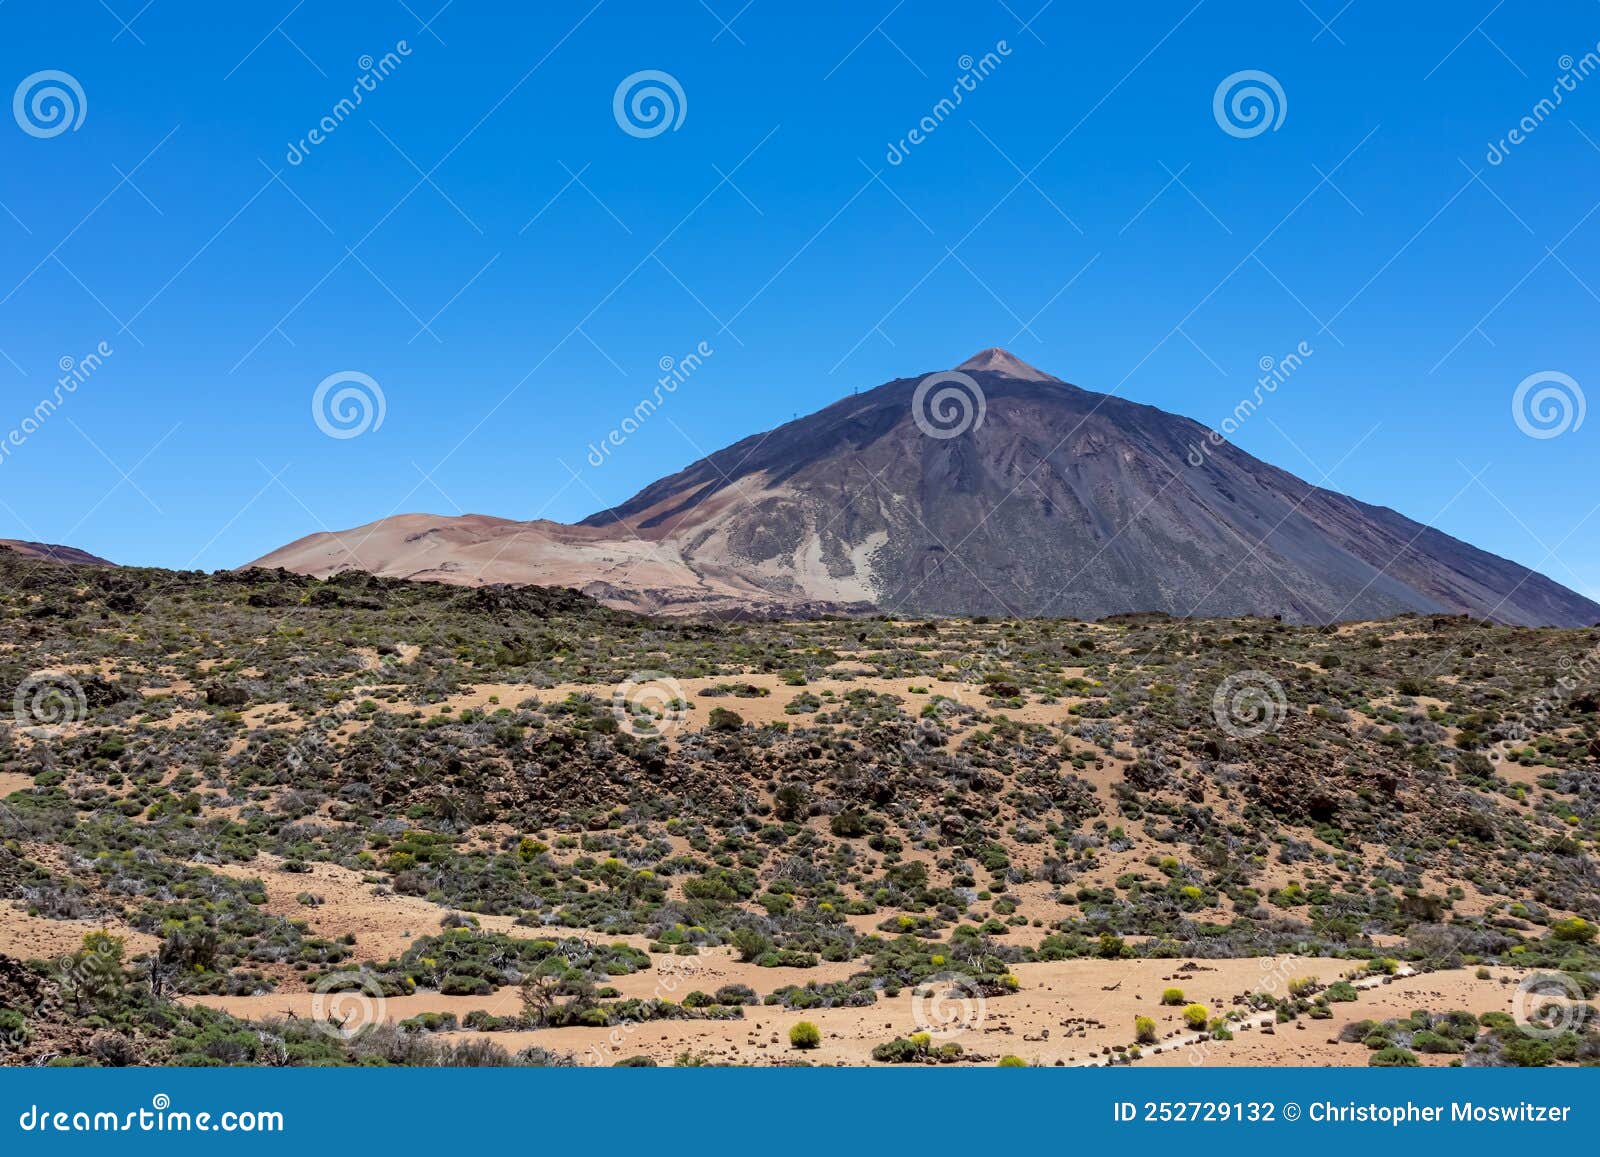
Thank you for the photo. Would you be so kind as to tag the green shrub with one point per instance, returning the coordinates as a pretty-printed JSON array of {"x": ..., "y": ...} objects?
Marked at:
[
  {"x": 1172, "y": 996},
  {"x": 805, "y": 1035},
  {"x": 1011, "y": 1062},
  {"x": 848, "y": 824},
  {"x": 1144, "y": 1030},
  {"x": 1393, "y": 1057},
  {"x": 1575, "y": 930},
  {"x": 1196, "y": 1016}
]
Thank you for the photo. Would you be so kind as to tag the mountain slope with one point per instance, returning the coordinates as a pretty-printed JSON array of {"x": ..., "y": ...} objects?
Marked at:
[
  {"x": 45, "y": 550},
  {"x": 1024, "y": 496}
]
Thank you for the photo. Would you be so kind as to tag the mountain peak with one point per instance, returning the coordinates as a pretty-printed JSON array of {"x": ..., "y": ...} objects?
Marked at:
[
  {"x": 995, "y": 360},
  {"x": 1068, "y": 503}
]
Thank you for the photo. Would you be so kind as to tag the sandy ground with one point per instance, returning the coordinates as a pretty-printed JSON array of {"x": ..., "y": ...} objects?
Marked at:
[
  {"x": 384, "y": 925},
  {"x": 11, "y": 781},
  {"x": 27, "y": 937},
  {"x": 1067, "y": 1012},
  {"x": 769, "y": 708},
  {"x": 1315, "y": 1043}
]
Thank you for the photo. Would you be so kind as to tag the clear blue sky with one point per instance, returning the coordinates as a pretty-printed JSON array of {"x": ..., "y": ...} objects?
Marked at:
[{"x": 514, "y": 306}]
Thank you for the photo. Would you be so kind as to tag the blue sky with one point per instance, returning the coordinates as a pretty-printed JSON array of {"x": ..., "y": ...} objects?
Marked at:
[{"x": 483, "y": 239}]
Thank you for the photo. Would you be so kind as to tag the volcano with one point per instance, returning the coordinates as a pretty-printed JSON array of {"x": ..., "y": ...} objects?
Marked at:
[{"x": 993, "y": 488}]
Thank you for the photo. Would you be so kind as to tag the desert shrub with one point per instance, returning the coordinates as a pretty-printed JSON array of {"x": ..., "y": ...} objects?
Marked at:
[
  {"x": 1010, "y": 1061},
  {"x": 1393, "y": 1057},
  {"x": 789, "y": 802},
  {"x": 918, "y": 1048},
  {"x": 1526, "y": 1052},
  {"x": 429, "y": 1022},
  {"x": 805, "y": 1035},
  {"x": 1575, "y": 930},
  {"x": 848, "y": 824},
  {"x": 1172, "y": 996},
  {"x": 1144, "y": 1030},
  {"x": 898, "y": 1051},
  {"x": 750, "y": 943},
  {"x": 1196, "y": 1016},
  {"x": 1431, "y": 1042},
  {"x": 1356, "y": 1031}
]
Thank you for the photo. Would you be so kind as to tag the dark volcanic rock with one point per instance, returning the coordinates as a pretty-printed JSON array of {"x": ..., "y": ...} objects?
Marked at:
[{"x": 1072, "y": 503}]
